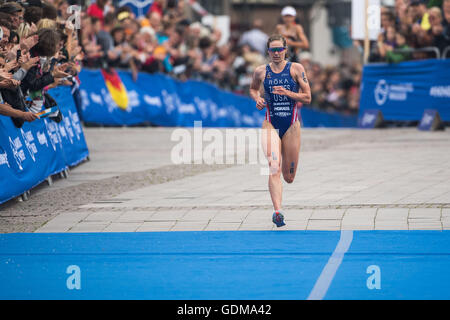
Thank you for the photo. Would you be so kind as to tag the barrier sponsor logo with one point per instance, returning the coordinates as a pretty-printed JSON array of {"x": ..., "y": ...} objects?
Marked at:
[
  {"x": 154, "y": 101},
  {"x": 16, "y": 148},
  {"x": 395, "y": 92},
  {"x": 31, "y": 147},
  {"x": 133, "y": 100},
  {"x": 202, "y": 106},
  {"x": 75, "y": 123},
  {"x": 42, "y": 139},
  {"x": 96, "y": 98},
  {"x": 52, "y": 133},
  {"x": 427, "y": 119},
  {"x": 368, "y": 118},
  {"x": 4, "y": 158},
  {"x": 68, "y": 128},
  {"x": 381, "y": 92},
  {"x": 187, "y": 108},
  {"x": 84, "y": 99},
  {"x": 440, "y": 91},
  {"x": 170, "y": 100}
]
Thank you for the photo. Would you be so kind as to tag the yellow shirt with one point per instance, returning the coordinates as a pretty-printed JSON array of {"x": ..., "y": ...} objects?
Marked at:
[{"x": 425, "y": 24}]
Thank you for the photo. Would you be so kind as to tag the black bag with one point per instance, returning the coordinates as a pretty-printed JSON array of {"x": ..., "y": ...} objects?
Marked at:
[
  {"x": 14, "y": 97},
  {"x": 49, "y": 102}
]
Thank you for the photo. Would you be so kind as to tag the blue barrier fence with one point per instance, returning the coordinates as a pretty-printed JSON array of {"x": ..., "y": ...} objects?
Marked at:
[
  {"x": 163, "y": 101},
  {"x": 403, "y": 91},
  {"x": 40, "y": 149}
]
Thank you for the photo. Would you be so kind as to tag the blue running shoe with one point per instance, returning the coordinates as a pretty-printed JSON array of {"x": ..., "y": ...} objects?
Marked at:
[{"x": 278, "y": 219}]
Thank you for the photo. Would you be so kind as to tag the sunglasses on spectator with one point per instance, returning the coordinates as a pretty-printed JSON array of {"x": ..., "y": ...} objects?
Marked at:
[{"x": 277, "y": 49}]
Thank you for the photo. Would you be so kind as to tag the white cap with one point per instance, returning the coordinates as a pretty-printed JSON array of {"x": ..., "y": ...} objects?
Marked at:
[{"x": 289, "y": 11}]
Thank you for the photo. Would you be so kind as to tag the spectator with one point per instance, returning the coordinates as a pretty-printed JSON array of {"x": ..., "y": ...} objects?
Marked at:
[
  {"x": 49, "y": 11},
  {"x": 387, "y": 42},
  {"x": 419, "y": 14},
  {"x": 399, "y": 56},
  {"x": 387, "y": 20},
  {"x": 293, "y": 32},
  {"x": 32, "y": 15},
  {"x": 446, "y": 22},
  {"x": 421, "y": 26},
  {"x": 104, "y": 37},
  {"x": 437, "y": 29},
  {"x": 157, "y": 6},
  {"x": 14, "y": 12},
  {"x": 46, "y": 24},
  {"x": 255, "y": 38},
  {"x": 96, "y": 9}
]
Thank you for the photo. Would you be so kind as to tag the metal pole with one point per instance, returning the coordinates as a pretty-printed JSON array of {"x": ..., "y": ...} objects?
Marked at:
[{"x": 366, "y": 38}]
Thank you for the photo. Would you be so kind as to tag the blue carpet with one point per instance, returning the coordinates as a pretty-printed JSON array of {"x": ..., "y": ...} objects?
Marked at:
[{"x": 224, "y": 265}]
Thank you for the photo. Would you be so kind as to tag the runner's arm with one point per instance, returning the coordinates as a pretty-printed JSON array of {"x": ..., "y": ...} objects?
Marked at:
[
  {"x": 303, "y": 96},
  {"x": 255, "y": 87}
]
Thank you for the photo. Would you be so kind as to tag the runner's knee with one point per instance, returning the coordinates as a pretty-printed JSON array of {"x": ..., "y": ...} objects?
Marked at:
[
  {"x": 289, "y": 178},
  {"x": 289, "y": 175},
  {"x": 274, "y": 167}
]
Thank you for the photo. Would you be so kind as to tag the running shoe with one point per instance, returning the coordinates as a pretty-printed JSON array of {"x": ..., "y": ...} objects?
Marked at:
[{"x": 278, "y": 219}]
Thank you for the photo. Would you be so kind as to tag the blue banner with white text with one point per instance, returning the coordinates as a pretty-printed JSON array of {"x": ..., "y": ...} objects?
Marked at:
[
  {"x": 40, "y": 148},
  {"x": 160, "y": 100},
  {"x": 403, "y": 91}
]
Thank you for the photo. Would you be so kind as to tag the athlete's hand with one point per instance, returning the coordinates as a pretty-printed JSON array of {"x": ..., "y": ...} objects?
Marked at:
[
  {"x": 260, "y": 103},
  {"x": 280, "y": 90}
]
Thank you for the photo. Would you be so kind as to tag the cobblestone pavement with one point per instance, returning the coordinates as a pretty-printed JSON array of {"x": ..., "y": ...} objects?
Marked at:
[{"x": 391, "y": 179}]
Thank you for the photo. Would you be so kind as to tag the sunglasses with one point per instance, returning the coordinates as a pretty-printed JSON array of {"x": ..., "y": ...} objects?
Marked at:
[{"x": 276, "y": 49}]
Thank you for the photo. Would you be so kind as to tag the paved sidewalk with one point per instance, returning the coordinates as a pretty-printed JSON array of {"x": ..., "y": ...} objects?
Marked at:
[{"x": 396, "y": 179}]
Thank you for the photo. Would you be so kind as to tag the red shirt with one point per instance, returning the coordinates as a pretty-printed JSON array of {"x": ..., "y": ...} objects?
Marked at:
[
  {"x": 95, "y": 11},
  {"x": 156, "y": 7}
]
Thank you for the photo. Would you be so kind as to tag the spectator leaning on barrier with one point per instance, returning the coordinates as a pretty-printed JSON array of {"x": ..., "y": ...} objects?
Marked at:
[
  {"x": 11, "y": 72},
  {"x": 44, "y": 73},
  {"x": 31, "y": 42},
  {"x": 436, "y": 30},
  {"x": 399, "y": 56}
]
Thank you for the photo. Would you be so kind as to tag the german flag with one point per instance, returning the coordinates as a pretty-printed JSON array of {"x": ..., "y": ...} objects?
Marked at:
[{"x": 116, "y": 88}]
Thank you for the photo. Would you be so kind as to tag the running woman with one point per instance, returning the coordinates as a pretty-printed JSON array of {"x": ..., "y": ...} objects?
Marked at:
[{"x": 284, "y": 83}]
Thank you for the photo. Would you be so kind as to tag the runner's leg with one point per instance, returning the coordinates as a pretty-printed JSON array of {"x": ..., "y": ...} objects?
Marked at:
[
  {"x": 290, "y": 146},
  {"x": 272, "y": 149}
]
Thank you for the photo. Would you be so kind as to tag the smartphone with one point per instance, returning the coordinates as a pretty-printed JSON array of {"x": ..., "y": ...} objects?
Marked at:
[{"x": 19, "y": 54}]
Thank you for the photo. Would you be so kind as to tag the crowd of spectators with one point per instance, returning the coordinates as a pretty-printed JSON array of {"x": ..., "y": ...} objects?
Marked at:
[
  {"x": 37, "y": 52},
  {"x": 169, "y": 40},
  {"x": 413, "y": 24}
]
